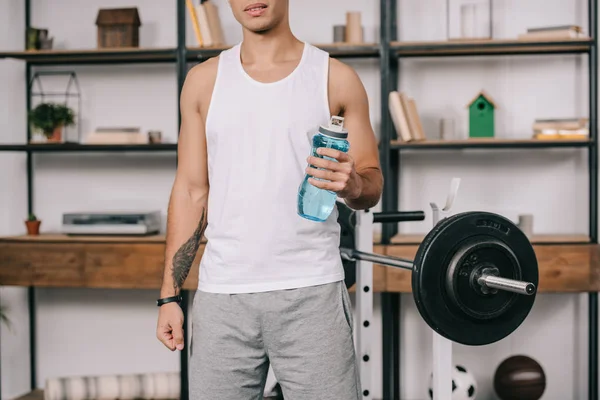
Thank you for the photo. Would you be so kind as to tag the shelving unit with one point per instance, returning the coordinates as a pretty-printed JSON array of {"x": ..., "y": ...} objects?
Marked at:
[
  {"x": 394, "y": 51},
  {"x": 389, "y": 51}
]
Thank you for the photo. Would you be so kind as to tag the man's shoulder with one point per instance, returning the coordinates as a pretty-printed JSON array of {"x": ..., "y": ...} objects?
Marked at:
[
  {"x": 344, "y": 82},
  {"x": 203, "y": 74},
  {"x": 340, "y": 71}
]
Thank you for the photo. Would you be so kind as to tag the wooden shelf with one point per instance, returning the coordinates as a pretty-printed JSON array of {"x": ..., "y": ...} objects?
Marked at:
[
  {"x": 79, "y": 148},
  {"x": 564, "y": 268},
  {"x": 492, "y": 143},
  {"x": 61, "y": 238},
  {"x": 126, "y": 262},
  {"x": 93, "y": 56},
  {"x": 86, "y": 261},
  {"x": 489, "y": 47},
  {"x": 109, "y": 262}
]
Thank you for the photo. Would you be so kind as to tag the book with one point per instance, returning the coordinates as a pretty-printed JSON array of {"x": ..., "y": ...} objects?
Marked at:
[
  {"x": 561, "y": 128},
  {"x": 576, "y": 28},
  {"x": 561, "y": 136},
  {"x": 214, "y": 23},
  {"x": 414, "y": 122},
  {"x": 560, "y": 123},
  {"x": 553, "y": 32},
  {"x": 117, "y": 135},
  {"x": 399, "y": 118},
  {"x": 195, "y": 23},
  {"x": 204, "y": 25}
]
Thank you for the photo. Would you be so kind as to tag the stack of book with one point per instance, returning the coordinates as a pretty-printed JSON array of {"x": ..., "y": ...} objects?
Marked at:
[
  {"x": 560, "y": 32},
  {"x": 206, "y": 23},
  {"x": 562, "y": 128},
  {"x": 116, "y": 135},
  {"x": 405, "y": 117}
]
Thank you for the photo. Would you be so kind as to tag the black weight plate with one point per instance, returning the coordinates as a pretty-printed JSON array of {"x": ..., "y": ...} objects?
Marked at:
[
  {"x": 347, "y": 220},
  {"x": 416, "y": 290},
  {"x": 430, "y": 273}
]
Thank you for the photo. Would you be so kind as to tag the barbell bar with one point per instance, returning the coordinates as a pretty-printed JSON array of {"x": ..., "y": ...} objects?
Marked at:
[
  {"x": 510, "y": 285},
  {"x": 486, "y": 280},
  {"x": 354, "y": 255}
]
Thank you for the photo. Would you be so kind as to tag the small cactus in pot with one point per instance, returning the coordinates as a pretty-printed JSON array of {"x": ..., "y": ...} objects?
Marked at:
[{"x": 33, "y": 225}]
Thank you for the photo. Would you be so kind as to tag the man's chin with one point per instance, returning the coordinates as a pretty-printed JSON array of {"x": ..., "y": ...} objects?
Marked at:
[{"x": 261, "y": 28}]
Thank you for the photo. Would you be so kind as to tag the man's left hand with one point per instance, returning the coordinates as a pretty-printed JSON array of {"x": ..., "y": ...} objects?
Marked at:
[{"x": 340, "y": 177}]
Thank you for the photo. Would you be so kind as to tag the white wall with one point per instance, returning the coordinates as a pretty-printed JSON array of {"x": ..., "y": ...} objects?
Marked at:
[{"x": 99, "y": 331}]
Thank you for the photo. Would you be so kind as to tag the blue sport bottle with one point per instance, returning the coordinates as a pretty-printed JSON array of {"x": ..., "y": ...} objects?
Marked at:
[{"x": 314, "y": 203}]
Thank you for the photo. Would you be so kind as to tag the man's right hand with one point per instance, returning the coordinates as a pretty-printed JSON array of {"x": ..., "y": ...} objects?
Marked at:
[{"x": 170, "y": 326}]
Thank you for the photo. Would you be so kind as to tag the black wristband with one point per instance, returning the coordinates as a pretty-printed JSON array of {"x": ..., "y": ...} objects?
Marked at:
[{"x": 166, "y": 300}]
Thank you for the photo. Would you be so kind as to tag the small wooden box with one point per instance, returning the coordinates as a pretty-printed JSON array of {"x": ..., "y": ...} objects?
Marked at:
[{"x": 118, "y": 27}]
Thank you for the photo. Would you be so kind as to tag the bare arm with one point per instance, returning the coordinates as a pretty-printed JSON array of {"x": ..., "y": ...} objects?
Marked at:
[
  {"x": 186, "y": 216},
  {"x": 187, "y": 212},
  {"x": 363, "y": 143},
  {"x": 356, "y": 176}
]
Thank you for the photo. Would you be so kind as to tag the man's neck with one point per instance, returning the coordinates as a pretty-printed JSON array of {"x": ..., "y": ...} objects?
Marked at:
[{"x": 276, "y": 45}]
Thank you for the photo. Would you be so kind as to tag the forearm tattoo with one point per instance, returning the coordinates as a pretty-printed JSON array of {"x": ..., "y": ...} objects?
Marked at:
[{"x": 184, "y": 257}]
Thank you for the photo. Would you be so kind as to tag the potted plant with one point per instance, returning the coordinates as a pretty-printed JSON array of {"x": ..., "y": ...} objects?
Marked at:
[
  {"x": 33, "y": 225},
  {"x": 51, "y": 118}
]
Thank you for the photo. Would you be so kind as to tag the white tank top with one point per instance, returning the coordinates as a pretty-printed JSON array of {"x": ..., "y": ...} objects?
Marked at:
[{"x": 258, "y": 138}]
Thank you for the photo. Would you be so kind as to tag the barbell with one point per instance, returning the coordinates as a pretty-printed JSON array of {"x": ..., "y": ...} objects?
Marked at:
[{"x": 474, "y": 276}]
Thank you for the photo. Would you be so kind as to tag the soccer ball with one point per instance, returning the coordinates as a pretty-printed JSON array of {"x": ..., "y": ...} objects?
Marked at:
[{"x": 464, "y": 386}]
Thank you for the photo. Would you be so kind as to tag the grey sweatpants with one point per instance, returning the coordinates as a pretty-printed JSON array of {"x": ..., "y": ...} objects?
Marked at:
[{"x": 305, "y": 335}]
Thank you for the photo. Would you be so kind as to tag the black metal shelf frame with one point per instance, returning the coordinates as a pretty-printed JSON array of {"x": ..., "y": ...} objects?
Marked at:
[
  {"x": 389, "y": 54},
  {"x": 84, "y": 57},
  {"x": 88, "y": 148},
  {"x": 593, "y": 196}
]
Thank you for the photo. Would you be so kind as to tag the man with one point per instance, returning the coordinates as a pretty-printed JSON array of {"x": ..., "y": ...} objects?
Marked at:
[{"x": 271, "y": 289}]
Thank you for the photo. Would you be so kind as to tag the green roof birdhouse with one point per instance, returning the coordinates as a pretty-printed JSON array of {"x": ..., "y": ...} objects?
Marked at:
[{"x": 481, "y": 116}]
